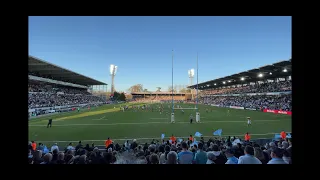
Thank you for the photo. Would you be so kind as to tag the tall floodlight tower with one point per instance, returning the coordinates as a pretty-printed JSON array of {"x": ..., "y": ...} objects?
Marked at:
[
  {"x": 113, "y": 71},
  {"x": 191, "y": 75}
]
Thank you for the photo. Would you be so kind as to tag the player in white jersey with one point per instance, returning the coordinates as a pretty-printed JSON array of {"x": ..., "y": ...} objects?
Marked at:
[{"x": 249, "y": 121}]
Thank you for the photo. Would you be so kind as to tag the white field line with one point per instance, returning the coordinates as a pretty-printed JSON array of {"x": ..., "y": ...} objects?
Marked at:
[
  {"x": 114, "y": 124},
  {"x": 271, "y": 133},
  {"x": 99, "y": 119}
]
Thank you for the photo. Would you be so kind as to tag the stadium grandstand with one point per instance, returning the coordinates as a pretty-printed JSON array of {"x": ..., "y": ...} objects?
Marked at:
[
  {"x": 55, "y": 89},
  {"x": 266, "y": 88},
  {"x": 158, "y": 96}
]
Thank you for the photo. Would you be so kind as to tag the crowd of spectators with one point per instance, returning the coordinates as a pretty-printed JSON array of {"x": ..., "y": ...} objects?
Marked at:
[
  {"x": 213, "y": 151},
  {"x": 273, "y": 102},
  {"x": 41, "y": 95},
  {"x": 280, "y": 86},
  {"x": 53, "y": 89}
]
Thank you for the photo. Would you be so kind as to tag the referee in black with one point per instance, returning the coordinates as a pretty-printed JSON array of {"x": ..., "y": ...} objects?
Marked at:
[
  {"x": 49, "y": 123},
  {"x": 191, "y": 118}
]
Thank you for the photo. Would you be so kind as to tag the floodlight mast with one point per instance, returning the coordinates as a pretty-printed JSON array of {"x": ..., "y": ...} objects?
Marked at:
[
  {"x": 191, "y": 75},
  {"x": 113, "y": 71}
]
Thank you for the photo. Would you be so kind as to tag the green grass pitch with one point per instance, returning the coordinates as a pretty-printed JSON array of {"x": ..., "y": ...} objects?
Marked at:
[{"x": 97, "y": 124}]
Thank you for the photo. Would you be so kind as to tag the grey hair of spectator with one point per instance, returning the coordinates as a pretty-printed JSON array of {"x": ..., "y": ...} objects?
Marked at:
[
  {"x": 172, "y": 158},
  {"x": 47, "y": 157}
]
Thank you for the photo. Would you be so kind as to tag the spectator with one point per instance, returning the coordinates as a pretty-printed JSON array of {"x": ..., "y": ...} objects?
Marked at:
[
  {"x": 230, "y": 156},
  {"x": 37, "y": 157},
  {"x": 287, "y": 157},
  {"x": 276, "y": 155},
  {"x": 47, "y": 158},
  {"x": 82, "y": 159},
  {"x": 54, "y": 146},
  {"x": 70, "y": 147},
  {"x": 69, "y": 159},
  {"x": 258, "y": 153},
  {"x": 211, "y": 158},
  {"x": 154, "y": 159},
  {"x": 54, "y": 155},
  {"x": 172, "y": 158},
  {"x": 134, "y": 144},
  {"x": 163, "y": 157},
  {"x": 157, "y": 153},
  {"x": 185, "y": 156},
  {"x": 201, "y": 156},
  {"x": 40, "y": 147},
  {"x": 78, "y": 146},
  {"x": 60, "y": 158},
  {"x": 248, "y": 158},
  {"x": 220, "y": 158}
]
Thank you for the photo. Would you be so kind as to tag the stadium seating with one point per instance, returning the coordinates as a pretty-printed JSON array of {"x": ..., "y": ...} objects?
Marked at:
[
  {"x": 281, "y": 86},
  {"x": 272, "y": 102},
  {"x": 48, "y": 95},
  {"x": 217, "y": 150}
]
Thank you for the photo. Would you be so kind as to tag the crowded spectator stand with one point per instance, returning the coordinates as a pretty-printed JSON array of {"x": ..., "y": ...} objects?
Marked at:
[{"x": 215, "y": 150}]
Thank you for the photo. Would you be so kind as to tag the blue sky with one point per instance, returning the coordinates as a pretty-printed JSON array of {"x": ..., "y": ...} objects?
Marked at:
[{"x": 141, "y": 46}]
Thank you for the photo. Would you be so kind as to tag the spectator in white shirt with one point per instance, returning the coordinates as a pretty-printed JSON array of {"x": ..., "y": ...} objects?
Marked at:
[
  {"x": 248, "y": 158},
  {"x": 54, "y": 146},
  {"x": 276, "y": 155}
]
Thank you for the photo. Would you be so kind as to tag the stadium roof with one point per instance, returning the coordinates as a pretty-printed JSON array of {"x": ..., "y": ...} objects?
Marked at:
[
  {"x": 42, "y": 68},
  {"x": 277, "y": 70}
]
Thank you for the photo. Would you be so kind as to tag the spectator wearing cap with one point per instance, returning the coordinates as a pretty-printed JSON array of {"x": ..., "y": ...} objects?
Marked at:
[
  {"x": 185, "y": 156},
  {"x": 230, "y": 156},
  {"x": 54, "y": 146},
  {"x": 248, "y": 158},
  {"x": 276, "y": 155},
  {"x": 201, "y": 156},
  {"x": 211, "y": 158}
]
